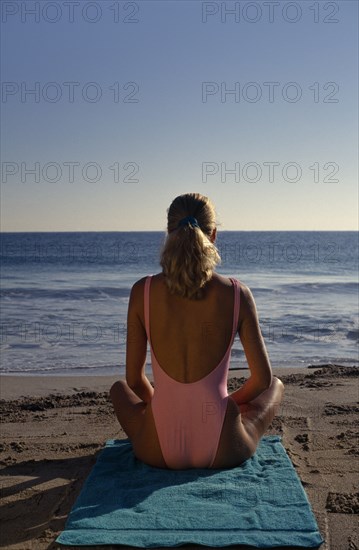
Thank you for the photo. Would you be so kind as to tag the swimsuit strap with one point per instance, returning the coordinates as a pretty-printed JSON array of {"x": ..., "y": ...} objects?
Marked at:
[
  {"x": 237, "y": 296},
  {"x": 147, "y": 307}
]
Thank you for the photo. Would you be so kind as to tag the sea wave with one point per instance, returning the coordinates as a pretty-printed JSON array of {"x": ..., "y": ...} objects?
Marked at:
[
  {"x": 97, "y": 292},
  {"x": 337, "y": 286}
]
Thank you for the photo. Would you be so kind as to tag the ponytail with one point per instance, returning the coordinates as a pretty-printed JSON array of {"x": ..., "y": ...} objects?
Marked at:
[{"x": 188, "y": 257}]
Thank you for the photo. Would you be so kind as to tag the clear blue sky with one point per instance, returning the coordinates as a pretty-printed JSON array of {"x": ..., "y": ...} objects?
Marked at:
[{"x": 169, "y": 129}]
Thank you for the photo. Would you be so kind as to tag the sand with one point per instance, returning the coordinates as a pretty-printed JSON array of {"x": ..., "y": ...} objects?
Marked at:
[{"x": 54, "y": 427}]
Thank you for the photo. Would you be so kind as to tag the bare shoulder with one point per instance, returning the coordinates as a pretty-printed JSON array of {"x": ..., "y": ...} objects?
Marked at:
[
  {"x": 138, "y": 285},
  {"x": 137, "y": 294},
  {"x": 138, "y": 288},
  {"x": 247, "y": 307},
  {"x": 220, "y": 280},
  {"x": 244, "y": 289},
  {"x": 247, "y": 299}
]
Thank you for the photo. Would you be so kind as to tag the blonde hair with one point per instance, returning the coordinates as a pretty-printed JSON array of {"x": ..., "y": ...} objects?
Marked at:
[{"x": 188, "y": 257}]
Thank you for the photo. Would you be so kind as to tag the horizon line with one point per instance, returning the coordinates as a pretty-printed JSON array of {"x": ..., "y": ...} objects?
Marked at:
[{"x": 165, "y": 231}]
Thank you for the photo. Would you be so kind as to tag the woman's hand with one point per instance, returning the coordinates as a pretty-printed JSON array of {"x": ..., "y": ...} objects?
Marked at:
[
  {"x": 249, "y": 391},
  {"x": 143, "y": 389}
]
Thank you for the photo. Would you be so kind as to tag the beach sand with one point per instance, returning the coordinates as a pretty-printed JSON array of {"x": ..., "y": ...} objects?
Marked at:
[{"x": 54, "y": 427}]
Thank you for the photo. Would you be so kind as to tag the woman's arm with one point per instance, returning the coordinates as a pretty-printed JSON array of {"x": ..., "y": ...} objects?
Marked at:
[
  {"x": 136, "y": 345},
  {"x": 255, "y": 351}
]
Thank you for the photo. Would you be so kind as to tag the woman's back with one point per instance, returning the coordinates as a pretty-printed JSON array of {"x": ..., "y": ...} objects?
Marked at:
[
  {"x": 189, "y": 413},
  {"x": 190, "y": 337}
]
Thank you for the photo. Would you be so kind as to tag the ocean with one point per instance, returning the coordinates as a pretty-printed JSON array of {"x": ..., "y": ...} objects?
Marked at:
[{"x": 64, "y": 296}]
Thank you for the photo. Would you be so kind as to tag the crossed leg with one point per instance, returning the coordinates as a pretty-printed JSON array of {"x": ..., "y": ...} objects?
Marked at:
[
  {"x": 137, "y": 421},
  {"x": 258, "y": 413},
  {"x": 129, "y": 408},
  {"x": 245, "y": 424}
]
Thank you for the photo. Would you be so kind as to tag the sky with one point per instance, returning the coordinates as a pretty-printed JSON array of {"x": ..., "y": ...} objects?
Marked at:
[{"x": 112, "y": 109}]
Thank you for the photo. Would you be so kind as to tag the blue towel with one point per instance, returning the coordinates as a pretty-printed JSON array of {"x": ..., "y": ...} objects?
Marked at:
[{"x": 260, "y": 503}]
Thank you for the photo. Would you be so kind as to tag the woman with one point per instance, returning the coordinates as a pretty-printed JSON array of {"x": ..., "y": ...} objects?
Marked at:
[{"x": 190, "y": 316}]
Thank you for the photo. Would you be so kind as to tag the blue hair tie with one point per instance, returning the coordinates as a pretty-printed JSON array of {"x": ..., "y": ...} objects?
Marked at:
[{"x": 188, "y": 219}]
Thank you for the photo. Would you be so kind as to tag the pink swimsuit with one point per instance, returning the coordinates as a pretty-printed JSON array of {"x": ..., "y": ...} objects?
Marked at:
[{"x": 189, "y": 416}]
